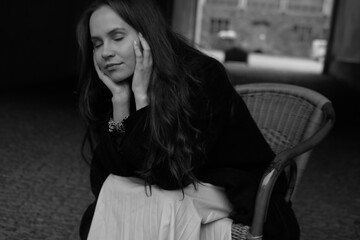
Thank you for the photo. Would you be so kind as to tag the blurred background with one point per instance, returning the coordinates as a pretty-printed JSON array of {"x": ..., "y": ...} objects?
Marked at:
[{"x": 44, "y": 183}]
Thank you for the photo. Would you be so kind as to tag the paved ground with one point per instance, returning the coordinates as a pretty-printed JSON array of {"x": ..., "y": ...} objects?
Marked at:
[
  {"x": 44, "y": 185},
  {"x": 328, "y": 201},
  {"x": 263, "y": 61}
]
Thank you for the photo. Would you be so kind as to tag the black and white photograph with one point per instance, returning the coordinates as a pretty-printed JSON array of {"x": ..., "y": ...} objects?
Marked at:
[{"x": 180, "y": 120}]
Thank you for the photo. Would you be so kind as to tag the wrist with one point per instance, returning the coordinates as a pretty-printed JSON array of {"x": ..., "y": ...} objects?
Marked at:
[
  {"x": 121, "y": 106},
  {"x": 141, "y": 100},
  {"x": 120, "y": 99},
  {"x": 122, "y": 92},
  {"x": 120, "y": 110}
]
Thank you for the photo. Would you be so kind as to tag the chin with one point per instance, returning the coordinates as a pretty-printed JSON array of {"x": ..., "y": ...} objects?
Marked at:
[{"x": 117, "y": 78}]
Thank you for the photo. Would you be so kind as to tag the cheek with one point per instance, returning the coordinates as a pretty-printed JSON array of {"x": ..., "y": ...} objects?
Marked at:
[
  {"x": 130, "y": 56},
  {"x": 98, "y": 59}
]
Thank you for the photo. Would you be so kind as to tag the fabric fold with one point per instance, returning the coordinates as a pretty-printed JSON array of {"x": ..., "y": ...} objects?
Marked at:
[{"x": 125, "y": 212}]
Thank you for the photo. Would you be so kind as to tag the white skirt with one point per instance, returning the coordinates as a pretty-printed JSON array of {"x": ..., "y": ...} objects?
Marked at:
[{"x": 124, "y": 212}]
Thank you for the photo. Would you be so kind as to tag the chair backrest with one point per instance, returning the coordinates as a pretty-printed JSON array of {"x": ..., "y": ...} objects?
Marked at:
[
  {"x": 286, "y": 115},
  {"x": 293, "y": 120}
]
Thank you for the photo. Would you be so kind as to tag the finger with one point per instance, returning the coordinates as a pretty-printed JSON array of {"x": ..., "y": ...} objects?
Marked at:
[
  {"x": 138, "y": 54},
  {"x": 147, "y": 59},
  {"x": 98, "y": 71},
  {"x": 95, "y": 64},
  {"x": 105, "y": 79}
]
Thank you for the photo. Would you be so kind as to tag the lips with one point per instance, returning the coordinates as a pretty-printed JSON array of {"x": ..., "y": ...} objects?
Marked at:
[{"x": 112, "y": 66}]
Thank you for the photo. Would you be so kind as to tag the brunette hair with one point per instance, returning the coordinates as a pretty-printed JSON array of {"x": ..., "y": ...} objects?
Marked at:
[{"x": 174, "y": 140}]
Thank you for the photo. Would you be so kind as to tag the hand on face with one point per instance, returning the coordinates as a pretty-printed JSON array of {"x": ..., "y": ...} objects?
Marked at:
[
  {"x": 143, "y": 69},
  {"x": 120, "y": 52},
  {"x": 141, "y": 75},
  {"x": 118, "y": 90}
]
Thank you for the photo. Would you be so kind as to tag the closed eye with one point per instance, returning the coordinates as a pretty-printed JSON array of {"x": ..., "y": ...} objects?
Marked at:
[
  {"x": 118, "y": 37},
  {"x": 96, "y": 46},
  {"x": 96, "y": 43}
]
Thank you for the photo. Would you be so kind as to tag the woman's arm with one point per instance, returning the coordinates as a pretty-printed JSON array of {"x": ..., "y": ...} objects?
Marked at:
[
  {"x": 142, "y": 73},
  {"x": 236, "y": 152},
  {"x": 98, "y": 173},
  {"x": 121, "y": 107},
  {"x": 121, "y": 94}
]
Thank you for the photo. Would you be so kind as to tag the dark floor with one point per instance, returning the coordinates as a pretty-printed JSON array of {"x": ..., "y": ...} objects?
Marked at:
[{"x": 44, "y": 185}]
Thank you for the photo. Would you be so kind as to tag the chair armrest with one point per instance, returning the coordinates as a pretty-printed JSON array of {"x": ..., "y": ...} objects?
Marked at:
[{"x": 278, "y": 164}]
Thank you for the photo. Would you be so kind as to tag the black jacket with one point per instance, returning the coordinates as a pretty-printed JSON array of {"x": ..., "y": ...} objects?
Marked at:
[{"x": 236, "y": 153}]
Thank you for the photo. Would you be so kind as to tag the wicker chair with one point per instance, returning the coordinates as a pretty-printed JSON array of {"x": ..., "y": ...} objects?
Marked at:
[{"x": 293, "y": 121}]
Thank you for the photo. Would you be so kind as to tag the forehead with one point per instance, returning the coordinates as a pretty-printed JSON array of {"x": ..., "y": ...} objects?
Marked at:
[{"x": 104, "y": 20}]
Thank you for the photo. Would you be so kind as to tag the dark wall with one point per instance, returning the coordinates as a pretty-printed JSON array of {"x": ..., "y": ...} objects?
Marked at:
[
  {"x": 184, "y": 18},
  {"x": 38, "y": 41},
  {"x": 343, "y": 60},
  {"x": 166, "y": 6}
]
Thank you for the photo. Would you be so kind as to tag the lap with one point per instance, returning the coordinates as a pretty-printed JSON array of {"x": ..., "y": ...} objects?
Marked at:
[{"x": 124, "y": 211}]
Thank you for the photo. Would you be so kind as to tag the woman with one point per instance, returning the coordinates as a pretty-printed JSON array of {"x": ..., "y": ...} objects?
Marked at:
[{"x": 163, "y": 115}]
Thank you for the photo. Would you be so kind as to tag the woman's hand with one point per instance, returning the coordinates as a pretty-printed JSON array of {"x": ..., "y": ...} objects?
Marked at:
[
  {"x": 121, "y": 95},
  {"x": 120, "y": 92},
  {"x": 142, "y": 74}
]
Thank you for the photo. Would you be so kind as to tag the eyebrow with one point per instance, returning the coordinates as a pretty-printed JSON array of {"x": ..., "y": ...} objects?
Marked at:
[{"x": 111, "y": 32}]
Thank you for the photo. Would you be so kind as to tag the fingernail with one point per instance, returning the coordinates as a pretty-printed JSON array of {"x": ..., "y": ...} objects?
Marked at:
[
  {"x": 135, "y": 43},
  {"x": 140, "y": 34}
]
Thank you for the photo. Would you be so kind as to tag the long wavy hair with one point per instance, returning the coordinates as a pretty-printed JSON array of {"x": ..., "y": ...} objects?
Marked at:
[{"x": 174, "y": 140}]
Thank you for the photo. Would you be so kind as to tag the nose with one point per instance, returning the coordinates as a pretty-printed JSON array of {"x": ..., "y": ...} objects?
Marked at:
[{"x": 107, "y": 51}]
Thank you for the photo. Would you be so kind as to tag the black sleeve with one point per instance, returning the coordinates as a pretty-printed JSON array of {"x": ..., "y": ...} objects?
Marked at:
[
  {"x": 98, "y": 173},
  {"x": 119, "y": 153},
  {"x": 236, "y": 151},
  {"x": 116, "y": 153}
]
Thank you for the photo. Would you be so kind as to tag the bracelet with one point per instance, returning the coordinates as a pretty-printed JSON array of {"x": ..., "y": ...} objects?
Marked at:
[{"x": 117, "y": 126}]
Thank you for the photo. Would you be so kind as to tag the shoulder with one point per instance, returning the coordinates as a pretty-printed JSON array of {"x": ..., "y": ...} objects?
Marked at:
[
  {"x": 195, "y": 62},
  {"x": 206, "y": 65},
  {"x": 212, "y": 74},
  {"x": 207, "y": 70},
  {"x": 207, "y": 76}
]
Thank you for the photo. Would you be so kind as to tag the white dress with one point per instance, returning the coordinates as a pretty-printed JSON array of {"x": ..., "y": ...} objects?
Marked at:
[{"x": 125, "y": 212}]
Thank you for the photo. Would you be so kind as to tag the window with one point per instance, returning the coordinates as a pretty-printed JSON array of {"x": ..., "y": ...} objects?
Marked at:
[
  {"x": 264, "y": 5},
  {"x": 306, "y": 6},
  {"x": 218, "y": 24},
  {"x": 303, "y": 33},
  {"x": 223, "y": 2},
  {"x": 277, "y": 28}
]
